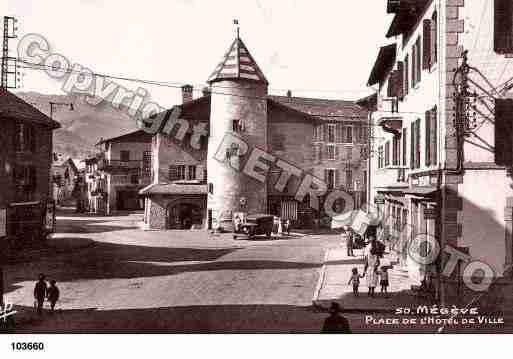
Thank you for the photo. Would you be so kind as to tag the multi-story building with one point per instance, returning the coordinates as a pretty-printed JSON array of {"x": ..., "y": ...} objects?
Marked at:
[
  {"x": 193, "y": 188},
  {"x": 440, "y": 155},
  {"x": 25, "y": 163},
  {"x": 116, "y": 175},
  {"x": 64, "y": 174}
]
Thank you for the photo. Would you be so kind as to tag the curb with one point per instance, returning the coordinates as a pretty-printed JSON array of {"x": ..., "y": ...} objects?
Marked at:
[{"x": 320, "y": 281}]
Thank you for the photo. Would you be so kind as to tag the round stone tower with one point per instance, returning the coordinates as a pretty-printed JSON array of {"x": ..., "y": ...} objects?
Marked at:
[{"x": 238, "y": 124}]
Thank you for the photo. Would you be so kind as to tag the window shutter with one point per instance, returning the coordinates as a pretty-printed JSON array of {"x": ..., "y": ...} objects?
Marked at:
[
  {"x": 399, "y": 80},
  {"x": 412, "y": 145},
  {"x": 326, "y": 175},
  {"x": 406, "y": 75},
  {"x": 434, "y": 135},
  {"x": 325, "y": 132},
  {"x": 390, "y": 88},
  {"x": 413, "y": 66},
  {"x": 338, "y": 133},
  {"x": 503, "y": 26},
  {"x": 427, "y": 120},
  {"x": 337, "y": 152},
  {"x": 426, "y": 50},
  {"x": 418, "y": 64},
  {"x": 337, "y": 178},
  {"x": 434, "y": 38},
  {"x": 322, "y": 149},
  {"x": 404, "y": 134},
  {"x": 417, "y": 143},
  {"x": 503, "y": 132}
]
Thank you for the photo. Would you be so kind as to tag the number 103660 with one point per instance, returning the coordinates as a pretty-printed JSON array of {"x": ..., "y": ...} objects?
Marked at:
[{"x": 27, "y": 346}]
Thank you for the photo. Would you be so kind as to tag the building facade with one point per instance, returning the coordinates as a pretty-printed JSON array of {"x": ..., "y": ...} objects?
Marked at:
[
  {"x": 25, "y": 167},
  {"x": 436, "y": 155},
  {"x": 197, "y": 186},
  {"x": 64, "y": 174},
  {"x": 114, "y": 178}
]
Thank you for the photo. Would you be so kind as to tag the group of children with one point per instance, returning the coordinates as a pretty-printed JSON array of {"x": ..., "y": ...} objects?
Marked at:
[
  {"x": 42, "y": 291},
  {"x": 383, "y": 280}
]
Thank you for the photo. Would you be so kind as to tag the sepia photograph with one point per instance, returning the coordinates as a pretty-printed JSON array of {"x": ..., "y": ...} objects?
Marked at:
[{"x": 255, "y": 167}]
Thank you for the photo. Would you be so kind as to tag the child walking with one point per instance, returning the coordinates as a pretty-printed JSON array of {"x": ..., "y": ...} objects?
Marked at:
[
  {"x": 53, "y": 294},
  {"x": 355, "y": 279},
  {"x": 383, "y": 280}
]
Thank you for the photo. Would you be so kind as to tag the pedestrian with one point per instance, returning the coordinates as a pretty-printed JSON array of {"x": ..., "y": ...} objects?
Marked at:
[
  {"x": 286, "y": 226},
  {"x": 355, "y": 279},
  {"x": 350, "y": 242},
  {"x": 40, "y": 291},
  {"x": 371, "y": 267},
  {"x": 53, "y": 294},
  {"x": 238, "y": 223},
  {"x": 336, "y": 323},
  {"x": 383, "y": 280}
]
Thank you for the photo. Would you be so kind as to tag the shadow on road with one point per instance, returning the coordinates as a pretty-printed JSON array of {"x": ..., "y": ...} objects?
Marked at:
[{"x": 235, "y": 319}]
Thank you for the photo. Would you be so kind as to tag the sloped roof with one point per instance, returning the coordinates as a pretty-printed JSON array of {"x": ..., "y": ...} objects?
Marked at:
[
  {"x": 384, "y": 62},
  {"x": 174, "y": 188},
  {"x": 322, "y": 108},
  {"x": 13, "y": 107},
  {"x": 237, "y": 64},
  {"x": 138, "y": 136}
]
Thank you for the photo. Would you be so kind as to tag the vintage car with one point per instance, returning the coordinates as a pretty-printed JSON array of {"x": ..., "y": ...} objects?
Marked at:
[{"x": 255, "y": 224}]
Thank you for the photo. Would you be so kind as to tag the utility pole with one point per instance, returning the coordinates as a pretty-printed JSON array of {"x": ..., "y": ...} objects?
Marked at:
[{"x": 9, "y": 64}]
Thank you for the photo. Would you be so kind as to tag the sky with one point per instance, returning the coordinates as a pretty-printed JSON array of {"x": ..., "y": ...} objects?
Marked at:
[{"x": 317, "y": 48}]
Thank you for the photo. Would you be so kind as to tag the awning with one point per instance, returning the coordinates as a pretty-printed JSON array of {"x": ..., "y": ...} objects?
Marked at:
[
  {"x": 426, "y": 191},
  {"x": 391, "y": 125},
  {"x": 358, "y": 220}
]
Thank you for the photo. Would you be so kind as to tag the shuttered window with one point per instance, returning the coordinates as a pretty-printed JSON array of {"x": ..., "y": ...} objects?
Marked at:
[
  {"x": 387, "y": 154},
  {"x": 434, "y": 136},
  {"x": 413, "y": 66},
  {"x": 503, "y": 132},
  {"x": 412, "y": 145},
  {"x": 405, "y": 140},
  {"x": 418, "y": 63},
  {"x": 434, "y": 38},
  {"x": 400, "y": 80},
  {"x": 417, "y": 143},
  {"x": 406, "y": 75},
  {"x": 395, "y": 151},
  {"x": 503, "y": 26},
  {"x": 427, "y": 122},
  {"x": 426, "y": 49}
]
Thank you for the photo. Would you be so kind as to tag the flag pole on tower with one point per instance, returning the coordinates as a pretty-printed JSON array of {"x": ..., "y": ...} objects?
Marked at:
[{"x": 236, "y": 22}]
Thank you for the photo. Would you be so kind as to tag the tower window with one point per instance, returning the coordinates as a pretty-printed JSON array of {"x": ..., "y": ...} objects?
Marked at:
[{"x": 237, "y": 125}]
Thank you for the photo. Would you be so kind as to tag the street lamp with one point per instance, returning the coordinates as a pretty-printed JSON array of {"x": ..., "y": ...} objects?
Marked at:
[{"x": 52, "y": 104}]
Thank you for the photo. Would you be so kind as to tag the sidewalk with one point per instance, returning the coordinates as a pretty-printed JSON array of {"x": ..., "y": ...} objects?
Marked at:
[{"x": 333, "y": 287}]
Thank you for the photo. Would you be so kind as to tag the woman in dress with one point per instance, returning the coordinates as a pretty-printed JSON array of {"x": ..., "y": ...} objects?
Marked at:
[{"x": 371, "y": 266}]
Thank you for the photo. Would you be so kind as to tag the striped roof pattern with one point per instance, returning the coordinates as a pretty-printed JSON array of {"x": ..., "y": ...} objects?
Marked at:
[{"x": 237, "y": 64}]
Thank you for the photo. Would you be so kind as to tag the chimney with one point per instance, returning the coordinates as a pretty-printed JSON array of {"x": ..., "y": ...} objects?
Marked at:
[
  {"x": 289, "y": 93},
  {"x": 206, "y": 91},
  {"x": 186, "y": 93}
]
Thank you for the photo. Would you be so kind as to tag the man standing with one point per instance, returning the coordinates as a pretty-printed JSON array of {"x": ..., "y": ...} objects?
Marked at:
[
  {"x": 336, "y": 323},
  {"x": 40, "y": 291}
]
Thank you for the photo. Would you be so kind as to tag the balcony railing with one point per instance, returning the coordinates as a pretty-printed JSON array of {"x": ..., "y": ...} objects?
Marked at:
[{"x": 105, "y": 164}]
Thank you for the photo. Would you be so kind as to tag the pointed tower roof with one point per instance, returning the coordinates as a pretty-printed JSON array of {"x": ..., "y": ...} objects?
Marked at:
[{"x": 238, "y": 64}]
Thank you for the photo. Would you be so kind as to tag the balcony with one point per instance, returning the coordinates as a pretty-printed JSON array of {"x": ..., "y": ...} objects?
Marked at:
[{"x": 118, "y": 165}]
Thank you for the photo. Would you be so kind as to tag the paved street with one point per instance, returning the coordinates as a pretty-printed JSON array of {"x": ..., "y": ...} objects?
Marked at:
[
  {"x": 117, "y": 278},
  {"x": 123, "y": 279}
]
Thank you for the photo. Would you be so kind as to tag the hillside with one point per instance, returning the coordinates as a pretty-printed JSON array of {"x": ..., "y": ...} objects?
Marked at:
[{"x": 83, "y": 127}]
